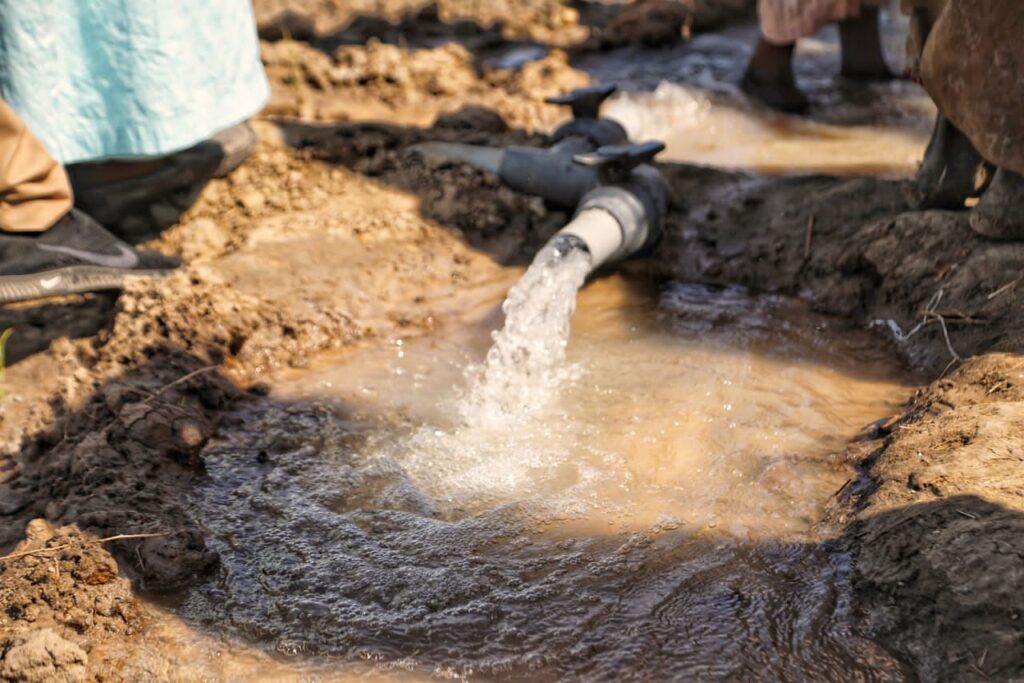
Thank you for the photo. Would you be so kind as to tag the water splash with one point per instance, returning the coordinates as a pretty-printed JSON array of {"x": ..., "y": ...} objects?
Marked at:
[
  {"x": 526, "y": 365},
  {"x": 499, "y": 445}
]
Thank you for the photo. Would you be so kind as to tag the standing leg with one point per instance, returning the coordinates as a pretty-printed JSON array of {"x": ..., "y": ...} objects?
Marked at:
[
  {"x": 861, "y": 44},
  {"x": 34, "y": 189},
  {"x": 46, "y": 247},
  {"x": 952, "y": 171},
  {"x": 769, "y": 77}
]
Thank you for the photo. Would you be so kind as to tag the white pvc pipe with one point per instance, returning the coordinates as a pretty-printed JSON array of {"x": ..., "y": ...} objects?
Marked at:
[{"x": 600, "y": 231}]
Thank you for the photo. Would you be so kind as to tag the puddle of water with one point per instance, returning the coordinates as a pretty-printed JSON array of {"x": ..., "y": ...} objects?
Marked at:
[
  {"x": 653, "y": 521},
  {"x": 713, "y": 130},
  {"x": 687, "y": 96}
]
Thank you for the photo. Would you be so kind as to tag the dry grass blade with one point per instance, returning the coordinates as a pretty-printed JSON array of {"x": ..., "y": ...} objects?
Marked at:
[
  {"x": 194, "y": 373},
  {"x": 809, "y": 236},
  {"x": 64, "y": 546},
  {"x": 1012, "y": 284},
  {"x": 4, "y": 336}
]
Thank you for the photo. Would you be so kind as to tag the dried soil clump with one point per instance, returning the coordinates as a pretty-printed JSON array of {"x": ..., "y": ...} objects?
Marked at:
[
  {"x": 647, "y": 23},
  {"x": 547, "y": 21},
  {"x": 386, "y": 82},
  {"x": 584, "y": 24},
  {"x": 55, "y": 605}
]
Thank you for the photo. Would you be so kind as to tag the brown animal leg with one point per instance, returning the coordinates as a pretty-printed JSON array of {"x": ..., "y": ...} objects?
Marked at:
[{"x": 999, "y": 214}]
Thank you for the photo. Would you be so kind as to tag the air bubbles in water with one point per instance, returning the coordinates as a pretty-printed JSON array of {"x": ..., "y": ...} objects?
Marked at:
[
  {"x": 499, "y": 446},
  {"x": 526, "y": 364}
]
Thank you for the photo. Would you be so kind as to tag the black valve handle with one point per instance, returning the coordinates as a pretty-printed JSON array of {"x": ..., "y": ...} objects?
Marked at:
[
  {"x": 615, "y": 163},
  {"x": 585, "y": 102}
]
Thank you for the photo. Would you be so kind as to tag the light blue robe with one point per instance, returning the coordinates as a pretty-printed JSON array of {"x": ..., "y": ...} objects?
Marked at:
[{"x": 100, "y": 79}]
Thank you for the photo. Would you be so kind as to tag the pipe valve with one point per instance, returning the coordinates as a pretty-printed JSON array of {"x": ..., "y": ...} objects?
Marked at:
[
  {"x": 625, "y": 212},
  {"x": 586, "y": 122},
  {"x": 614, "y": 164},
  {"x": 585, "y": 103}
]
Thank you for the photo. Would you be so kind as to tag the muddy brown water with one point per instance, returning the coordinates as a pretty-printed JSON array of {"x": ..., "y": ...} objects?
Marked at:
[
  {"x": 687, "y": 96},
  {"x": 715, "y": 130},
  {"x": 654, "y": 521}
]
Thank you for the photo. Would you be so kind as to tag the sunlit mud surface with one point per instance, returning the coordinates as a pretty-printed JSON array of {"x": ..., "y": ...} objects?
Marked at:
[
  {"x": 687, "y": 96},
  {"x": 652, "y": 520}
]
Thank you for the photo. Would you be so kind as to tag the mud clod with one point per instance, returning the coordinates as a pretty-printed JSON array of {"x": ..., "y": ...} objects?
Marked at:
[
  {"x": 60, "y": 597},
  {"x": 42, "y": 656}
]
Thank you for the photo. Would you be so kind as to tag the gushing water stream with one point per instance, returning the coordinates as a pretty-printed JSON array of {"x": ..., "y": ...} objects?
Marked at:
[
  {"x": 493, "y": 446},
  {"x": 526, "y": 365}
]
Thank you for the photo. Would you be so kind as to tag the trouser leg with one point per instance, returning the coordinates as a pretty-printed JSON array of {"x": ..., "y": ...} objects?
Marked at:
[{"x": 34, "y": 189}]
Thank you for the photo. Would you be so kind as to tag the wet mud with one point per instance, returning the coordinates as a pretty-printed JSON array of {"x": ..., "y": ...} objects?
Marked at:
[{"x": 118, "y": 412}]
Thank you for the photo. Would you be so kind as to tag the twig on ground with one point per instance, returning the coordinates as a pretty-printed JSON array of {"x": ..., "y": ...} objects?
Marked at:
[
  {"x": 955, "y": 315},
  {"x": 809, "y": 236},
  {"x": 945, "y": 335},
  {"x": 194, "y": 373},
  {"x": 949, "y": 366},
  {"x": 928, "y": 314},
  {"x": 64, "y": 546},
  {"x": 1012, "y": 284}
]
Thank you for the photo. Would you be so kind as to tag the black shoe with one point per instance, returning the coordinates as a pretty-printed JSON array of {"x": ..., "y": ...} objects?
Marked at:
[
  {"x": 780, "y": 95},
  {"x": 75, "y": 255},
  {"x": 769, "y": 78},
  {"x": 113, "y": 190},
  {"x": 234, "y": 145}
]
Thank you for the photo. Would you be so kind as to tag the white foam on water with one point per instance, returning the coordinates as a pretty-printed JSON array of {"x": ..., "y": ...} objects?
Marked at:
[
  {"x": 499, "y": 443},
  {"x": 526, "y": 365}
]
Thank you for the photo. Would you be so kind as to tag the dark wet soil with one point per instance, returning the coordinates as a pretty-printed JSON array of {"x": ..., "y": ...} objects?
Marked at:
[{"x": 334, "y": 235}]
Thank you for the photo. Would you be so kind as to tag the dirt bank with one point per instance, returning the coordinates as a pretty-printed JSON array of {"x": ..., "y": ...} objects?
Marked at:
[
  {"x": 585, "y": 24},
  {"x": 934, "y": 517},
  {"x": 334, "y": 234}
]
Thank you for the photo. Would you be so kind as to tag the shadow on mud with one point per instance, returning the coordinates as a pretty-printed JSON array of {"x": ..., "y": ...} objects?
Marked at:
[
  {"x": 941, "y": 584},
  {"x": 36, "y": 325}
]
